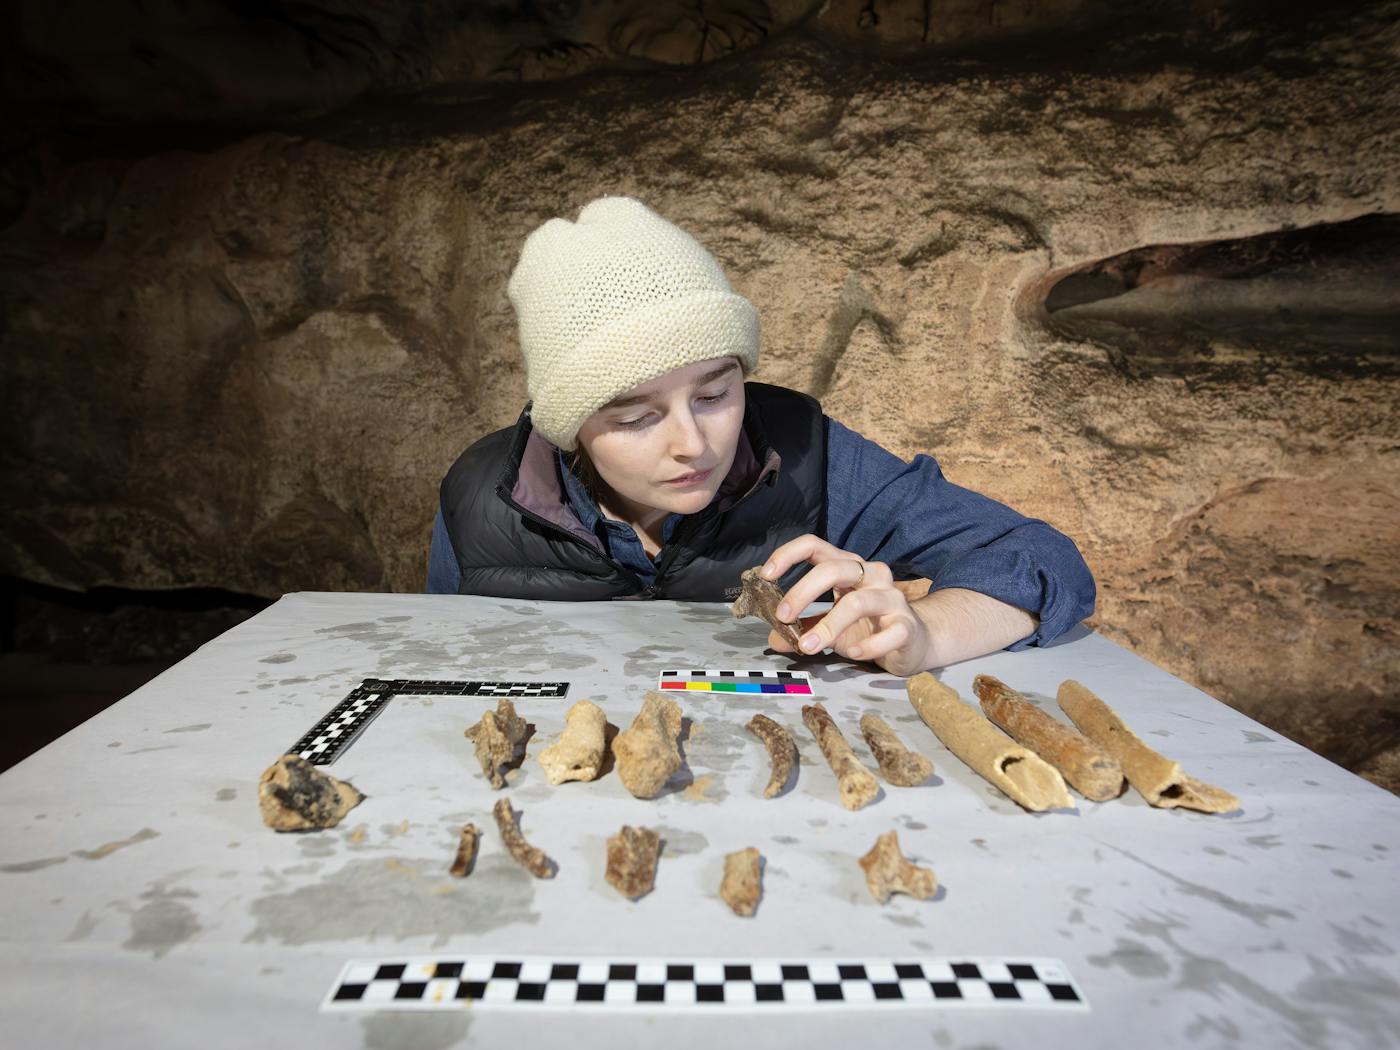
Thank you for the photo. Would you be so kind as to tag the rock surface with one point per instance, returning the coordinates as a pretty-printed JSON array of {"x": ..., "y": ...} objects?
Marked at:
[{"x": 248, "y": 364}]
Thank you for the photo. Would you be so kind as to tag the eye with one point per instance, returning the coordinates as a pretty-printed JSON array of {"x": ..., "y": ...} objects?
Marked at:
[
  {"x": 633, "y": 424},
  {"x": 711, "y": 399}
]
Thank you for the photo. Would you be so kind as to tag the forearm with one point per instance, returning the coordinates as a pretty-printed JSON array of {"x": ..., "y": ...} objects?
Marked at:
[{"x": 962, "y": 624}]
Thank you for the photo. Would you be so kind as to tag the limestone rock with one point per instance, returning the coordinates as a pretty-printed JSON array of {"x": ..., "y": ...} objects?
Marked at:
[{"x": 294, "y": 795}]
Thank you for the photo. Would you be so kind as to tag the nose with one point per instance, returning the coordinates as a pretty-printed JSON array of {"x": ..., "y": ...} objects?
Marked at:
[{"x": 684, "y": 440}]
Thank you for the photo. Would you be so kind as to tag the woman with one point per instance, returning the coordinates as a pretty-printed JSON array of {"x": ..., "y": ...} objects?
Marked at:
[{"x": 645, "y": 467}]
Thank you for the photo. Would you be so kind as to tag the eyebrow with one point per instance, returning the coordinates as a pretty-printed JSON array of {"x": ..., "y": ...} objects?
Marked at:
[{"x": 636, "y": 399}]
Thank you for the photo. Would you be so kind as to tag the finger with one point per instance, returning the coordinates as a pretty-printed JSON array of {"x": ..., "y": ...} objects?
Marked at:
[
  {"x": 805, "y": 623},
  {"x": 880, "y": 644},
  {"x": 848, "y": 610},
  {"x": 805, "y": 548},
  {"x": 844, "y": 572}
]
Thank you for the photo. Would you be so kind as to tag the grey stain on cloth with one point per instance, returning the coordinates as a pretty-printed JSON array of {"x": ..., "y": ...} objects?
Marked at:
[
  {"x": 197, "y": 728},
  {"x": 397, "y": 898},
  {"x": 1259, "y": 914},
  {"x": 162, "y": 922},
  {"x": 24, "y": 866},
  {"x": 278, "y": 658},
  {"x": 1135, "y": 958}
]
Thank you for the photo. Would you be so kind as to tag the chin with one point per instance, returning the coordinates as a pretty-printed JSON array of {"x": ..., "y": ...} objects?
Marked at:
[{"x": 689, "y": 502}]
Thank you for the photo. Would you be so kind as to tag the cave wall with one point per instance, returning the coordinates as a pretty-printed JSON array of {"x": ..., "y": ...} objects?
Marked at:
[{"x": 1121, "y": 295}]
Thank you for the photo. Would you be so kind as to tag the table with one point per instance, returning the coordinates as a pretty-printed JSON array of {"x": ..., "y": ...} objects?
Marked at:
[{"x": 145, "y": 905}]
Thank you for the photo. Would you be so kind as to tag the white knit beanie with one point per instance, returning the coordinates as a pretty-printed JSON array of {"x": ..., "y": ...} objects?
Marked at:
[{"x": 613, "y": 300}]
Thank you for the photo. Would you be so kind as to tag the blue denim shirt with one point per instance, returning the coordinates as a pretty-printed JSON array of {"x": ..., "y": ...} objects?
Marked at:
[{"x": 884, "y": 509}]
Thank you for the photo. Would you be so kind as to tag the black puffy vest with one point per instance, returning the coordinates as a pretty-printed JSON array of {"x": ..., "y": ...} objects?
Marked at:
[{"x": 516, "y": 537}]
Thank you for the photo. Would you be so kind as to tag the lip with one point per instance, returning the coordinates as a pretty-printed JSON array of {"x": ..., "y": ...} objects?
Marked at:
[{"x": 687, "y": 480}]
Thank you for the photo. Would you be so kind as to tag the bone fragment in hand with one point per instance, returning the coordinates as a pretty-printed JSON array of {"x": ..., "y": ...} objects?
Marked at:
[
  {"x": 497, "y": 736},
  {"x": 782, "y": 752},
  {"x": 527, "y": 856},
  {"x": 1024, "y": 777},
  {"x": 1090, "y": 770},
  {"x": 466, "y": 853},
  {"x": 857, "y": 784},
  {"x": 887, "y": 871},
  {"x": 294, "y": 795},
  {"x": 632, "y": 856},
  {"x": 646, "y": 753},
  {"x": 1156, "y": 777},
  {"x": 742, "y": 885},
  {"x": 760, "y": 597},
  {"x": 579, "y": 753},
  {"x": 900, "y": 766}
]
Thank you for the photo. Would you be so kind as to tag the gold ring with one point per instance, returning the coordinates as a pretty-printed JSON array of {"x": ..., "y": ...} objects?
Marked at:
[{"x": 862, "y": 572}]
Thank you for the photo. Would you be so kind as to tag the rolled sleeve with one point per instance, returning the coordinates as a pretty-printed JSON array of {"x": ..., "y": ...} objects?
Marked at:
[{"x": 916, "y": 520}]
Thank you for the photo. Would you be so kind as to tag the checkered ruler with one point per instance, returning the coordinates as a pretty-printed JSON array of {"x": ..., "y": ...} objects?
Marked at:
[
  {"x": 520, "y": 982},
  {"x": 329, "y": 738}
]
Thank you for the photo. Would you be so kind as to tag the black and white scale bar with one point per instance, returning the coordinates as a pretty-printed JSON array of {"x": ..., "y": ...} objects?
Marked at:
[
  {"x": 659, "y": 984},
  {"x": 329, "y": 738}
]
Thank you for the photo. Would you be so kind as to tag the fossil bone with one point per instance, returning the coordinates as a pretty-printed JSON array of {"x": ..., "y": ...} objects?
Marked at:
[
  {"x": 579, "y": 753},
  {"x": 1159, "y": 779},
  {"x": 887, "y": 871},
  {"x": 527, "y": 856},
  {"x": 857, "y": 784},
  {"x": 646, "y": 753},
  {"x": 1090, "y": 770},
  {"x": 782, "y": 752},
  {"x": 632, "y": 856},
  {"x": 466, "y": 853},
  {"x": 898, "y": 765},
  {"x": 742, "y": 885},
  {"x": 760, "y": 597},
  {"x": 497, "y": 736},
  {"x": 1023, "y": 776}
]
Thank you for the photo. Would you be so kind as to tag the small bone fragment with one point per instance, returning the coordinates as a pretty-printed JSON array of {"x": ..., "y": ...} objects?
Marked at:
[
  {"x": 632, "y": 856},
  {"x": 760, "y": 597},
  {"x": 646, "y": 753},
  {"x": 1025, "y": 778},
  {"x": 856, "y": 783},
  {"x": 466, "y": 853},
  {"x": 887, "y": 871},
  {"x": 898, "y": 765},
  {"x": 497, "y": 736},
  {"x": 1159, "y": 779},
  {"x": 579, "y": 753},
  {"x": 782, "y": 752},
  {"x": 527, "y": 856},
  {"x": 294, "y": 795},
  {"x": 1090, "y": 770},
  {"x": 742, "y": 886}
]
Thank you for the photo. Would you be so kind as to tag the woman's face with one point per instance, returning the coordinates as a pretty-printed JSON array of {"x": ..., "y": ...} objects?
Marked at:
[{"x": 667, "y": 444}]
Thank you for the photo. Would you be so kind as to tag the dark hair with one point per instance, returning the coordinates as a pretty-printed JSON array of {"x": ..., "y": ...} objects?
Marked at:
[{"x": 585, "y": 471}]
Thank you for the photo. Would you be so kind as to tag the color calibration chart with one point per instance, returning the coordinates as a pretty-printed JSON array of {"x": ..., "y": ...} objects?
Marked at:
[{"x": 791, "y": 682}]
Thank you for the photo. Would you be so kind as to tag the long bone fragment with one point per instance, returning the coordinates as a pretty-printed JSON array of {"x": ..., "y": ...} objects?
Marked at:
[
  {"x": 466, "y": 852},
  {"x": 742, "y": 886},
  {"x": 857, "y": 784},
  {"x": 782, "y": 752},
  {"x": 1090, "y": 770},
  {"x": 1159, "y": 779},
  {"x": 1024, "y": 777},
  {"x": 527, "y": 856},
  {"x": 900, "y": 766}
]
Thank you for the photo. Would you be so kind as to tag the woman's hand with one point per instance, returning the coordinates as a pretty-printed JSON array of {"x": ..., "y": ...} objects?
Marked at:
[{"x": 871, "y": 618}]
